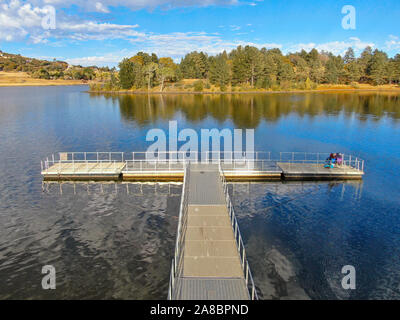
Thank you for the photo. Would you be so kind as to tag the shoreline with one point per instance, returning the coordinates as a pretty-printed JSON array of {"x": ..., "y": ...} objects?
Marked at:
[
  {"x": 349, "y": 90},
  {"x": 2, "y": 85}
]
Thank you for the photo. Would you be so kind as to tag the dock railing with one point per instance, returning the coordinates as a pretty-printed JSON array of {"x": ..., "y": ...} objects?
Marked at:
[
  {"x": 321, "y": 158},
  {"x": 106, "y": 162},
  {"x": 110, "y": 162},
  {"x": 177, "y": 261},
  {"x": 239, "y": 240}
]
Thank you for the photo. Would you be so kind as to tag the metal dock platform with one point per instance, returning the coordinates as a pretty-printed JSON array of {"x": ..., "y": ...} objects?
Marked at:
[
  {"x": 210, "y": 260},
  {"x": 135, "y": 167}
]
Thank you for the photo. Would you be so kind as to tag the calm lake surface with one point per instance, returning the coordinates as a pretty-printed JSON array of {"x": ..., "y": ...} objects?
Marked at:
[{"x": 108, "y": 244}]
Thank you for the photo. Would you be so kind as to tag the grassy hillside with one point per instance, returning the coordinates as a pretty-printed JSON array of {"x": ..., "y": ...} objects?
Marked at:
[{"x": 48, "y": 70}]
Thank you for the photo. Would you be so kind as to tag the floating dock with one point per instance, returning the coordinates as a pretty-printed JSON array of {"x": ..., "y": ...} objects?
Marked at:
[
  {"x": 116, "y": 167},
  {"x": 210, "y": 260}
]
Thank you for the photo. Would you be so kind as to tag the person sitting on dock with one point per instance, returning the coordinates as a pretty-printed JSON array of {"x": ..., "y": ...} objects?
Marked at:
[{"x": 330, "y": 161}]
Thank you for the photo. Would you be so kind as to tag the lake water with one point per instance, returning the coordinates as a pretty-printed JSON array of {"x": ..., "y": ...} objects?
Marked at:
[{"x": 108, "y": 244}]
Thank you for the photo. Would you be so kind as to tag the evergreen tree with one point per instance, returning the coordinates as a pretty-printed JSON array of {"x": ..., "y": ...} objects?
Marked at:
[
  {"x": 365, "y": 64},
  {"x": 239, "y": 68},
  {"x": 349, "y": 56},
  {"x": 334, "y": 69},
  {"x": 378, "y": 67},
  {"x": 300, "y": 67},
  {"x": 285, "y": 71},
  {"x": 252, "y": 63},
  {"x": 219, "y": 73},
  {"x": 315, "y": 66},
  {"x": 396, "y": 68},
  {"x": 195, "y": 65},
  {"x": 126, "y": 74}
]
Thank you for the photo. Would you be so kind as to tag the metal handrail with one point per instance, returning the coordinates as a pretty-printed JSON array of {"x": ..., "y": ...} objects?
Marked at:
[
  {"x": 180, "y": 236},
  {"x": 239, "y": 240},
  {"x": 243, "y": 162},
  {"x": 319, "y": 158}
]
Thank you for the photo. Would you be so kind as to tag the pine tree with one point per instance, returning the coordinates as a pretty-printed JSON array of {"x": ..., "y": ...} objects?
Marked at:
[
  {"x": 349, "y": 56},
  {"x": 334, "y": 69},
  {"x": 219, "y": 70},
  {"x": 378, "y": 67},
  {"x": 365, "y": 63},
  {"x": 126, "y": 74}
]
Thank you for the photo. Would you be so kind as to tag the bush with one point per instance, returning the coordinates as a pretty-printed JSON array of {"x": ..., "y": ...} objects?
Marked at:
[
  {"x": 208, "y": 86},
  {"x": 301, "y": 85},
  {"x": 260, "y": 84},
  {"x": 355, "y": 85},
  {"x": 95, "y": 87},
  {"x": 198, "y": 86},
  {"x": 275, "y": 87},
  {"x": 308, "y": 84},
  {"x": 223, "y": 87}
]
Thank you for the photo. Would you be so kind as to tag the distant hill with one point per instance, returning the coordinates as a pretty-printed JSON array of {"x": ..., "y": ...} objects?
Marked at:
[{"x": 51, "y": 70}]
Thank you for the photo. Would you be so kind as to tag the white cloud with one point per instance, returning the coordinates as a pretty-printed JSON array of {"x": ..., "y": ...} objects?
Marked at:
[
  {"x": 104, "y": 5},
  {"x": 20, "y": 21},
  {"x": 393, "y": 43},
  {"x": 235, "y": 28},
  {"x": 106, "y": 60},
  {"x": 101, "y": 8},
  {"x": 336, "y": 47}
]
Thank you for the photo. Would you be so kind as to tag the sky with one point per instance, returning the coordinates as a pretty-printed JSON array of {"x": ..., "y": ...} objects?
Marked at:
[{"x": 103, "y": 32}]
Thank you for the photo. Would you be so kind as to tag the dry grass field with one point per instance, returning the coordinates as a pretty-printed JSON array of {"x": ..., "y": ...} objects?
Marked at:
[{"x": 11, "y": 79}]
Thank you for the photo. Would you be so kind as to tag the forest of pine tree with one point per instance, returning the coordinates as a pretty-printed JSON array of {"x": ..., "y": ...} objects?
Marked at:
[{"x": 250, "y": 67}]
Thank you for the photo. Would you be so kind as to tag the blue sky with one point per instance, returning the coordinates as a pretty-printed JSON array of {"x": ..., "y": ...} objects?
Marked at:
[{"x": 103, "y": 32}]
